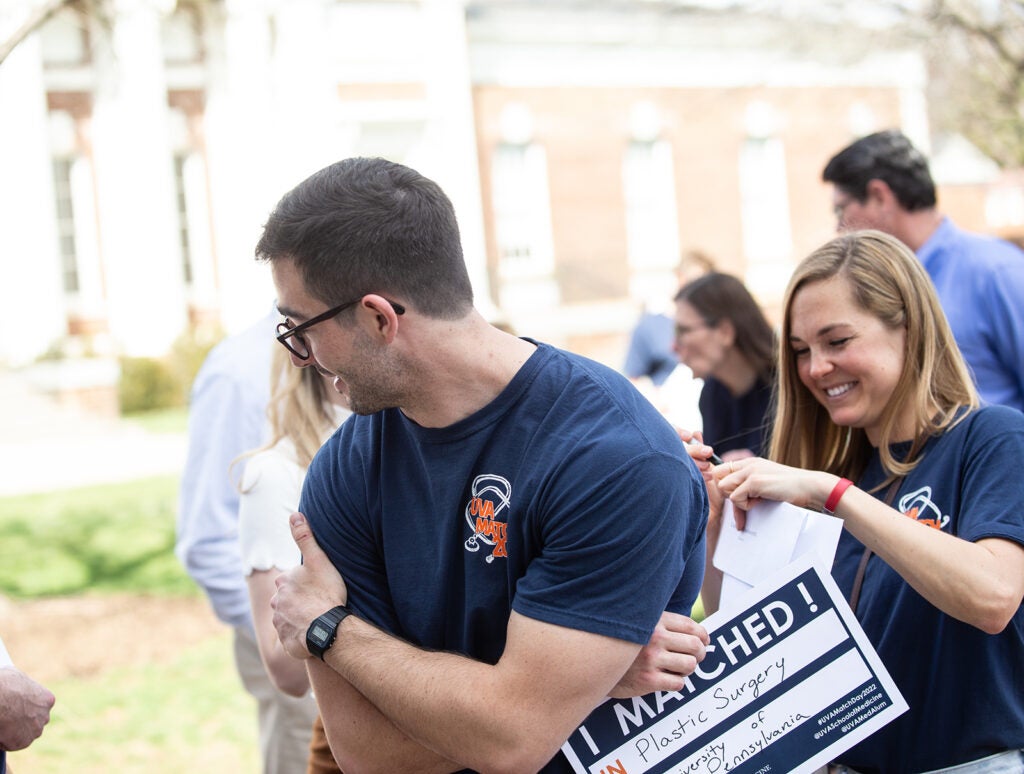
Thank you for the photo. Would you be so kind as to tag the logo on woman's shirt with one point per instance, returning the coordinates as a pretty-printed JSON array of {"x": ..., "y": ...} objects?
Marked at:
[{"x": 919, "y": 506}]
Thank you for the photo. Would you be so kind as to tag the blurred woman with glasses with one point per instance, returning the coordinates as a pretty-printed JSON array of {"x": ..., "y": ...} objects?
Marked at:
[{"x": 724, "y": 338}]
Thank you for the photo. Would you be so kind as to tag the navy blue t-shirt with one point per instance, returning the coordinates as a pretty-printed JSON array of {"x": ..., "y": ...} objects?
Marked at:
[
  {"x": 568, "y": 499},
  {"x": 965, "y": 688},
  {"x": 736, "y": 423}
]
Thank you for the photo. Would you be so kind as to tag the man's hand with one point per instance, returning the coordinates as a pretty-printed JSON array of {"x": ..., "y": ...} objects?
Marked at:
[
  {"x": 676, "y": 647},
  {"x": 24, "y": 709},
  {"x": 306, "y": 591}
]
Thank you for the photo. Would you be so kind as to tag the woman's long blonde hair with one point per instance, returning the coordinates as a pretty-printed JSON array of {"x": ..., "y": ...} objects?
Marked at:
[
  {"x": 889, "y": 283},
  {"x": 299, "y": 407},
  {"x": 299, "y": 410}
]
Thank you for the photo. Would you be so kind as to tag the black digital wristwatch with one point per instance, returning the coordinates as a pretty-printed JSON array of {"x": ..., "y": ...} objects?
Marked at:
[{"x": 321, "y": 633}]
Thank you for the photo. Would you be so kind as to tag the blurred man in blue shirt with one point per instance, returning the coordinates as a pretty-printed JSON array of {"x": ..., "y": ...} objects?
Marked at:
[{"x": 883, "y": 182}]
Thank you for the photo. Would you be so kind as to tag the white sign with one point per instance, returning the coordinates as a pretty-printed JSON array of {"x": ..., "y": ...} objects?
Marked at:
[{"x": 788, "y": 683}]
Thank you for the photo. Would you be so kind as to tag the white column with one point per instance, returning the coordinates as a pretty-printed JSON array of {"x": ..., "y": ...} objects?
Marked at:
[
  {"x": 305, "y": 93},
  {"x": 450, "y": 135},
  {"x": 30, "y": 261},
  {"x": 134, "y": 171},
  {"x": 240, "y": 150}
]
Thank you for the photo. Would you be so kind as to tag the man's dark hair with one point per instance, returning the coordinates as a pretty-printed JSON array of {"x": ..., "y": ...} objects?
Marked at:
[
  {"x": 888, "y": 156},
  {"x": 368, "y": 225}
]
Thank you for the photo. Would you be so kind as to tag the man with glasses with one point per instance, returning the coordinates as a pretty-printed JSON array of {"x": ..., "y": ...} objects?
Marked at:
[
  {"x": 492, "y": 538},
  {"x": 291, "y": 335},
  {"x": 883, "y": 182}
]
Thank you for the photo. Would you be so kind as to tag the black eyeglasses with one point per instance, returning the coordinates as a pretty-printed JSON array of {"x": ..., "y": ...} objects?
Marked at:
[
  {"x": 839, "y": 208},
  {"x": 685, "y": 330},
  {"x": 298, "y": 345}
]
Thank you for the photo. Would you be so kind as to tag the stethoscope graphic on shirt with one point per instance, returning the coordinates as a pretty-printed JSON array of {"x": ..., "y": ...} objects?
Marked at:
[
  {"x": 490, "y": 498},
  {"x": 918, "y": 505}
]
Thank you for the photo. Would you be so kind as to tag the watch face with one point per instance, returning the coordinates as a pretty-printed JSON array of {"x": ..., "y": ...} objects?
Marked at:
[{"x": 319, "y": 634}]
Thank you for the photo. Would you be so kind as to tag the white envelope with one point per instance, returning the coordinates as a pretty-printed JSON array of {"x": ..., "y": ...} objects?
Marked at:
[{"x": 775, "y": 535}]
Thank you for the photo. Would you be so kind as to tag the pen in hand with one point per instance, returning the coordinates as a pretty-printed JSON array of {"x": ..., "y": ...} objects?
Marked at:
[{"x": 714, "y": 459}]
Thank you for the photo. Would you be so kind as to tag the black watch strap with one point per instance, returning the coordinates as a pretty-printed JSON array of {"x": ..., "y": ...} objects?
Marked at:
[{"x": 321, "y": 633}]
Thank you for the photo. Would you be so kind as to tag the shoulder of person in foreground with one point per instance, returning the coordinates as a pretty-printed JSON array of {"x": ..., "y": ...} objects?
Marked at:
[{"x": 619, "y": 476}]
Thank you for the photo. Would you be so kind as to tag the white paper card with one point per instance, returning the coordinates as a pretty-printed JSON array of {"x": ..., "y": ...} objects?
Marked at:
[
  {"x": 775, "y": 535},
  {"x": 789, "y": 682}
]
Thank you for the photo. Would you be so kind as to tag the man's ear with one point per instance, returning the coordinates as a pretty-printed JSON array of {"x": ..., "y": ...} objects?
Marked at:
[
  {"x": 378, "y": 312},
  {"x": 879, "y": 193}
]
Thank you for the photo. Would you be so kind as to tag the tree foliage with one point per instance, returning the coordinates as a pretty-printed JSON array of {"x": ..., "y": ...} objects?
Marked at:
[
  {"x": 976, "y": 59},
  {"x": 35, "y": 17}
]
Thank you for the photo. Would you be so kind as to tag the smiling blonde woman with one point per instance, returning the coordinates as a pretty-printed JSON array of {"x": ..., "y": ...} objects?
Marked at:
[{"x": 878, "y": 424}]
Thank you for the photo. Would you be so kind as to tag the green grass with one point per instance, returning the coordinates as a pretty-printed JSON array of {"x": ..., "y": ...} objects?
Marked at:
[
  {"x": 168, "y": 420},
  {"x": 117, "y": 537},
  {"x": 187, "y": 715},
  {"x": 697, "y": 614}
]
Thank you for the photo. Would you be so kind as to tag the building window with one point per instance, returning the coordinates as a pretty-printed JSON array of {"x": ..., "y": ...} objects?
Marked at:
[
  {"x": 74, "y": 209},
  {"x": 181, "y": 202},
  {"x": 652, "y": 229},
  {"x": 64, "y": 40},
  {"x": 396, "y": 140},
  {"x": 66, "y": 223},
  {"x": 764, "y": 201},
  {"x": 181, "y": 36},
  {"x": 522, "y": 211},
  {"x": 764, "y": 194},
  {"x": 191, "y": 203}
]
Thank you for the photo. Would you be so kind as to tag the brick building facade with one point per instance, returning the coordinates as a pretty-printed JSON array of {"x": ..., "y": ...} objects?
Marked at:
[{"x": 585, "y": 146}]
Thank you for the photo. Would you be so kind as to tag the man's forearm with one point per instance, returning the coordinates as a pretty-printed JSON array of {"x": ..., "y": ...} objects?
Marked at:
[
  {"x": 512, "y": 716},
  {"x": 436, "y": 699},
  {"x": 361, "y": 737}
]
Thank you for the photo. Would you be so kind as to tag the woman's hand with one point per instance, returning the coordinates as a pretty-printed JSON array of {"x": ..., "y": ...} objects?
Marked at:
[
  {"x": 711, "y": 586},
  {"x": 747, "y": 482},
  {"x": 700, "y": 453}
]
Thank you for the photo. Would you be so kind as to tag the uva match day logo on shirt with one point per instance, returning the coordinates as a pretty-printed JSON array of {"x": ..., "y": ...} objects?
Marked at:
[
  {"x": 918, "y": 505},
  {"x": 487, "y": 514}
]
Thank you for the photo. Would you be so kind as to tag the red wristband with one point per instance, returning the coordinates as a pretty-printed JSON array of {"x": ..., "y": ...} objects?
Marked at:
[{"x": 837, "y": 492}]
